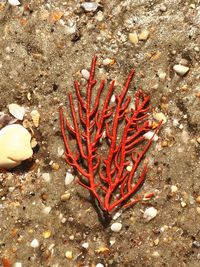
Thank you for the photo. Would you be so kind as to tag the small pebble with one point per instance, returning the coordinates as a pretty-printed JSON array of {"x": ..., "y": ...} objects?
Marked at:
[
  {"x": 117, "y": 215},
  {"x": 68, "y": 254},
  {"x": 180, "y": 69},
  {"x": 159, "y": 116},
  {"x": 85, "y": 73},
  {"x": 17, "y": 264},
  {"x": 116, "y": 227},
  {"x": 90, "y": 6},
  {"x": 99, "y": 265},
  {"x": 85, "y": 245},
  {"x": 65, "y": 196},
  {"x": 14, "y": 2},
  {"x": 183, "y": 204},
  {"x": 113, "y": 98},
  {"x": 149, "y": 135},
  {"x": 155, "y": 254},
  {"x": 35, "y": 115},
  {"x": 133, "y": 37},
  {"x": 69, "y": 178},
  {"x": 46, "y": 234},
  {"x": 198, "y": 140},
  {"x": 35, "y": 243},
  {"x": 144, "y": 35},
  {"x": 46, "y": 210},
  {"x": 198, "y": 199},
  {"x": 150, "y": 213},
  {"x": 46, "y": 177},
  {"x": 108, "y": 61},
  {"x": 163, "y": 8},
  {"x": 174, "y": 188}
]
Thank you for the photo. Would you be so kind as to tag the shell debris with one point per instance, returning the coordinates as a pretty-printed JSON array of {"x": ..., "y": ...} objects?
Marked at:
[{"x": 35, "y": 115}]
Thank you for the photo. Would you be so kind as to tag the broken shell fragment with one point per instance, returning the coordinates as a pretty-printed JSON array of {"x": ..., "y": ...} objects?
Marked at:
[
  {"x": 35, "y": 115},
  {"x": 90, "y": 6},
  {"x": 15, "y": 146},
  {"x": 180, "y": 69},
  {"x": 14, "y": 2},
  {"x": 150, "y": 135},
  {"x": 17, "y": 111}
]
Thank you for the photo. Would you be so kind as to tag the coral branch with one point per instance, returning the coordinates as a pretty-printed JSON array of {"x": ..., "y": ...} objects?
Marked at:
[{"x": 114, "y": 176}]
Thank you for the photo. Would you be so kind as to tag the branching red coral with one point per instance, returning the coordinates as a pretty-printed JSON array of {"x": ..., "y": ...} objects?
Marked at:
[{"x": 112, "y": 176}]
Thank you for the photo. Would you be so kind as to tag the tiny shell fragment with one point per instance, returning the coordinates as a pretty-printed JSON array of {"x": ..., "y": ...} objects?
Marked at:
[
  {"x": 159, "y": 116},
  {"x": 116, "y": 227},
  {"x": 180, "y": 69},
  {"x": 35, "y": 115},
  {"x": 17, "y": 111},
  {"x": 149, "y": 135}
]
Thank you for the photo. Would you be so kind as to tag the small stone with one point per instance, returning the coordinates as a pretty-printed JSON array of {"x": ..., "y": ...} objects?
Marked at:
[
  {"x": 46, "y": 177},
  {"x": 65, "y": 196},
  {"x": 14, "y": 2},
  {"x": 108, "y": 61},
  {"x": 133, "y": 37},
  {"x": 183, "y": 62},
  {"x": 163, "y": 8},
  {"x": 150, "y": 213},
  {"x": 162, "y": 75},
  {"x": 99, "y": 265},
  {"x": 183, "y": 204},
  {"x": 113, "y": 98},
  {"x": 46, "y": 234},
  {"x": 196, "y": 49},
  {"x": 180, "y": 69},
  {"x": 35, "y": 115},
  {"x": 90, "y": 6},
  {"x": 198, "y": 140},
  {"x": 85, "y": 73},
  {"x": 116, "y": 227},
  {"x": 149, "y": 135},
  {"x": 68, "y": 254},
  {"x": 117, "y": 215},
  {"x": 46, "y": 210},
  {"x": 159, "y": 116},
  {"x": 85, "y": 245},
  {"x": 155, "y": 254},
  {"x": 35, "y": 243},
  {"x": 55, "y": 166},
  {"x": 69, "y": 178},
  {"x": 144, "y": 35},
  {"x": 174, "y": 188},
  {"x": 198, "y": 199},
  {"x": 17, "y": 111},
  {"x": 17, "y": 264}
]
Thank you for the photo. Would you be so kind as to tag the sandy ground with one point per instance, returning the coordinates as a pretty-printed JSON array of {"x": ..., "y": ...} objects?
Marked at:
[{"x": 44, "y": 46}]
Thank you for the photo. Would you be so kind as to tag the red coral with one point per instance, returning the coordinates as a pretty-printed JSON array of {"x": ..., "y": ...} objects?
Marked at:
[{"x": 105, "y": 174}]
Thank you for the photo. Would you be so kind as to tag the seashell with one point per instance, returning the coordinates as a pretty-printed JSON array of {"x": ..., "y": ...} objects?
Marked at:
[
  {"x": 159, "y": 116},
  {"x": 15, "y": 146},
  {"x": 90, "y": 6},
  {"x": 35, "y": 115},
  {"x": 14, "y": 2},
  {"x": 116, "y": 227},
  {"x": 149, "y": 214},
  {"x": 85, "y": 73},
  {"x": 17, "y": 111},
  {"x": 69, "y": 178}
]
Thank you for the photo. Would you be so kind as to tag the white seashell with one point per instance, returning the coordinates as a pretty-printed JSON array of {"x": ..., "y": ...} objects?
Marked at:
[
  {"x": 46, "y": 210},
  {"x": 34, "y": 243},
  {"x": 180, "y": 69},
  {"x": 69, "y": 178},
  {"x": 117, "y": 215},
  {"x": 85, "y": 73},
  {"x": 17, "y": 111},
  {"x": 15, "y": 146},
  {"x": 116, "y": 227},
  {"x": 90, "y": 6},
  {"x": 149, "y": 135},
  {"x": 113, "y": 98},
  {"x": 14, "y": 2},
  {"x": 149, "y": 214},
  {"x": 85, "y": 245},
  {"x": 35, "y": 115}
]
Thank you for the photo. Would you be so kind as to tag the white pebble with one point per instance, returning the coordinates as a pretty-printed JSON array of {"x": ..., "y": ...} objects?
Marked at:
[
  {"x": 180, "y": 70},
  {"x": 113, "y": 98},
  {"x": 99, "y": 265},
  {"x": 69, "y": 178},
  {"x": 90, "y": 6},
  {"x": 116, "y": 227},
  {"x": 46, "y": 210},
  {"x": 85, "y": 73},
  {"x": 133, "y": 37},
  {"x": 15, "y": 144},
  {"x": 14, "y": 2},
  {"x": 17, "y": 111},
  {"x": 85, "y": 245},
  {"x": 35, "y": 243},
  {"x": 174, "y": 188},
  {"x": 149, "y": 214},
  {"x": 149, "y": 135},
  {"x": 46, "y": 177},
  {"x": 144, "y": 35},
  {"x": 117, "y": 215},
  {"x": 17, "y": 264}
]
